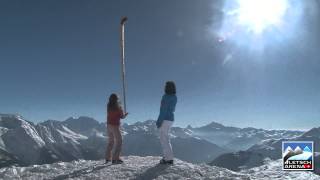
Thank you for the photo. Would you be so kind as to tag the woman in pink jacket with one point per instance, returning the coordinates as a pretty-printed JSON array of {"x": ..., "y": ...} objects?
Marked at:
[{"x": 114, "y": 114}]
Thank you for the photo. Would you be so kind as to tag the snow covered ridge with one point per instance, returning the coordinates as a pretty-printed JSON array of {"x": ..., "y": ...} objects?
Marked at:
[
  {"x": 147, "y": 168},
  {"x": 20, "y": 138},
  {"x": 25, "y": 143}
]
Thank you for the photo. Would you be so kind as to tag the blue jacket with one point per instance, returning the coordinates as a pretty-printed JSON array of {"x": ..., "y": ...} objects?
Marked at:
[{"x": 168, "y": 105}]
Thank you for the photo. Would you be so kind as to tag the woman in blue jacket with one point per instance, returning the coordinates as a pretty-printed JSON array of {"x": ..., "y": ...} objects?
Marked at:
[{"x": 165, "y": 121}]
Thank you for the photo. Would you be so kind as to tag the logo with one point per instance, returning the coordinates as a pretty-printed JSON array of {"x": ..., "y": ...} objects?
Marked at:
[{"x": 297, "y": 155}]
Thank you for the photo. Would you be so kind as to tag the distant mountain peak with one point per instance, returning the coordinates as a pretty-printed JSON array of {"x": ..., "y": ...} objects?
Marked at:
[
  {"x": 11, "y": 121},
  {"x": 215, "y": 125},
  {"x": 314, "y": 132},
  {"x": 83, "y": 124},
  {"x": 81, "y": 118}
]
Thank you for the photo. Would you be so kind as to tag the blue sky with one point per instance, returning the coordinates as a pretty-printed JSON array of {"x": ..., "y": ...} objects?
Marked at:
[{"x": 62, "y": 58}]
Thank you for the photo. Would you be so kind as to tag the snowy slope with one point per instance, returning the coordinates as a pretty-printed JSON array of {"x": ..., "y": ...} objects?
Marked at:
[
  {"x": 62, "y": 143},
  {"x": 55, "y": 132},
  {"x": 273, "y": 170},
  {"x": 134, "y": 168},
  {"x": 3, "y": 130},
  {"x": 45, "y": 142},
  {"x": 20, "y": 137},
  {"x": 147, "y": 168},
  {"x": 7, "y": 159}
]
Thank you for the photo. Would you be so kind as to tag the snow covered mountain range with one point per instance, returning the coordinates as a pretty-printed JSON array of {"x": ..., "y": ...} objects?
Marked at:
[
  {"x": 23, "y": 142},
  {"x": 148, "y": 168}
]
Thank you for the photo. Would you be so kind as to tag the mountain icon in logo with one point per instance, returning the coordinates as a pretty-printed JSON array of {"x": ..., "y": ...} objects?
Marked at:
[
  {"x": 297, "y": 153},
  {"x": 307, "y": 149},
  {"x": 290, "y": 153}
]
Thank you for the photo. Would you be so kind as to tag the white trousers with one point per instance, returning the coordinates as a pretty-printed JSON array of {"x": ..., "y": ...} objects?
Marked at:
[{"x": 165, "y": 140}]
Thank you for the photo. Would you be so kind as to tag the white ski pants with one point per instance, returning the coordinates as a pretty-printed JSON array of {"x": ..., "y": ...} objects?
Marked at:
[{"x": 165, "y": 140}]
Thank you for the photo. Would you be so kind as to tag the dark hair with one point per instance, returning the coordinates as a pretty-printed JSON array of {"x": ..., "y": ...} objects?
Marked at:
[
  {"x": 113, "y": 103},
  {"x": 170, "y": 87}
]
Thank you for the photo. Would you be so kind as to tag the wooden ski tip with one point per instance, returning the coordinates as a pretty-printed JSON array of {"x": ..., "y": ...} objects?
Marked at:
[{"x": 124, "y": 19}]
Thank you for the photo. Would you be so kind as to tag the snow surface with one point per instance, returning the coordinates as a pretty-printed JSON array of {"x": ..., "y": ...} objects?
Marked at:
[
  {"x": 140, "y": 168},
  {"x": 273, "y": 170},
  {"x": 137, "y": 168}
]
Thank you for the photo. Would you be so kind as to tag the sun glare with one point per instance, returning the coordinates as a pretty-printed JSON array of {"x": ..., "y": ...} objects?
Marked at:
[
  {"x": 258, "y": 15},
  {"x": 257, "y": 24}
]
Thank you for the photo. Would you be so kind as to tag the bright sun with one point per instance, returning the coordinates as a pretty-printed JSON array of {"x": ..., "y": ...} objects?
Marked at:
[
  {"x": 258, "y": 23},
  {"x": 258, "y": 15}
]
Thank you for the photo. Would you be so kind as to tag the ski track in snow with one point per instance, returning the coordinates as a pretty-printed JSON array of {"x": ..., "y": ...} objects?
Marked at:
[{"x": 147, "y": 168}]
